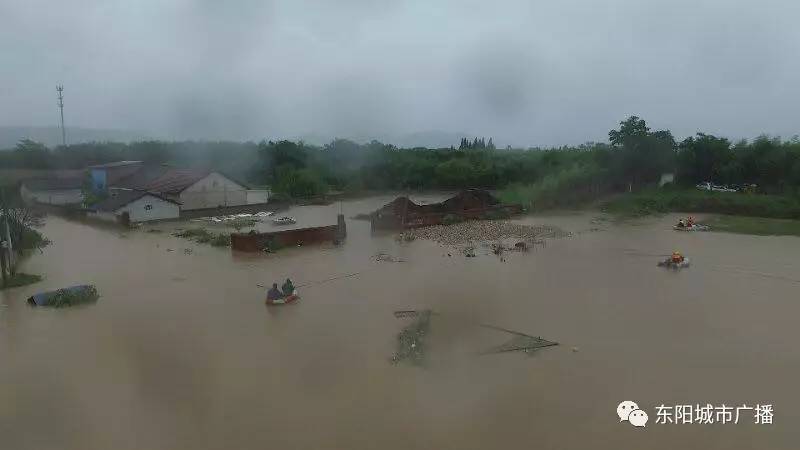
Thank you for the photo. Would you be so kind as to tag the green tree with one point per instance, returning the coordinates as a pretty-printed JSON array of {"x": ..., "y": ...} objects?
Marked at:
[
  {"x": 286, "y": 155},
  {"x": 702, "y": 158},
  {"x": 303, "y": 183},
  {"x": 642, "y": 156},
  {"x": 32, "y": 154}
]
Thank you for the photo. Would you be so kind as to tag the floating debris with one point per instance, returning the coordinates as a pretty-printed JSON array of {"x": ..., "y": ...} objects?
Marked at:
[
  {"x": 407, "y": 236},
  {"x": 411, "y": 343},
  {"x": 521, "y": 342},
  {"x": 410, "y": 338},
  {"x": 70, "y": 296},
  {"x": 385, "y": 257}
]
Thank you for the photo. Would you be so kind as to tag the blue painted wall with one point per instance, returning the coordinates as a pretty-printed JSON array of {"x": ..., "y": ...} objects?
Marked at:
[{"x": 99, "y": 180}]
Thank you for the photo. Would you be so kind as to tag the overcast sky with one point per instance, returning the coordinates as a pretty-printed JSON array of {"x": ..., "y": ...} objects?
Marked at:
[{"x": 526, "y": 72}]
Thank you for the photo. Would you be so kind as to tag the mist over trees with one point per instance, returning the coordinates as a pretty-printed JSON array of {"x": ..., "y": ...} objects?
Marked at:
[{"x": 635, "y": 157}]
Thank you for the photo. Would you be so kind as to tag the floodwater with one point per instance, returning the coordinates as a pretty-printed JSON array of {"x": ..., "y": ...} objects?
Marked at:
[{"x": 181, "y": 353}]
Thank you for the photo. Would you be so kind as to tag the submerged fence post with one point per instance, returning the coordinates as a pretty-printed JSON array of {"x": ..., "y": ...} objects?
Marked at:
[{"x": 341, "y": 230}]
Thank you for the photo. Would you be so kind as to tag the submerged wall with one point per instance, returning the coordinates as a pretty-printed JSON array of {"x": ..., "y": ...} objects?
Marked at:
[{"x": 256, "y": 242}]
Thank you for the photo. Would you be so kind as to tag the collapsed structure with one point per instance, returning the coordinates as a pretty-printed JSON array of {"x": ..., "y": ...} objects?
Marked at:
[{"x": 403, "y": 213}]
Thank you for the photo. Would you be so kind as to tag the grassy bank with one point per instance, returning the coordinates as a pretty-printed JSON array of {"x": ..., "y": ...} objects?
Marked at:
[
  {"x": 691, "y": 200},
  {"x": 755, "y": 225},
  {"x": 20, "y": 279}
]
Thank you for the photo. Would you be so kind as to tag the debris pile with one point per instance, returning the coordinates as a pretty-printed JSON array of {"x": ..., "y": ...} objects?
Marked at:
[
  {"x": 482, "y": 230},
  {"x": 203, "y": 236}
]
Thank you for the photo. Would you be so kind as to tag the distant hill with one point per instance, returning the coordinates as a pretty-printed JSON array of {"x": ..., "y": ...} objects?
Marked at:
[
  {"x": 51, "y": 136},
  {"x": 430, "y": 139}
]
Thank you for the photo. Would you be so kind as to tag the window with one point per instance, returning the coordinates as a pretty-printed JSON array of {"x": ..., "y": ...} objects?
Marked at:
[
  {"x": 214, "y": 183},
  {"x": 148, "y": 207}
]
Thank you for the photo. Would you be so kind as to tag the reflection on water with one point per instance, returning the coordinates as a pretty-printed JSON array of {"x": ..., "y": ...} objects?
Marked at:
[{"x": 180, "y": 351}]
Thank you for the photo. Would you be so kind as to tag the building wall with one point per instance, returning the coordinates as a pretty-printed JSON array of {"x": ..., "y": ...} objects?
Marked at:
[
  {"x": 254, "y": 242},
  {"x": 53, "y": 197},
  {"x": 158, "y": 209},
  {"x": 212, "y": 191},
  {"x": 98, "y": 179},
  {"x": 255, "y": 196},
  {"x": 103, "y": 215}
]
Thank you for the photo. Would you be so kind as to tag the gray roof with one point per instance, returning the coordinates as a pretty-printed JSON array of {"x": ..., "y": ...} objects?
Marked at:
[
  {"x": 166, "y": 179},
  {"x": 53, "y": 184},
  {"x": 118, "y": 198},
  {"x": 114, "y": 164}
]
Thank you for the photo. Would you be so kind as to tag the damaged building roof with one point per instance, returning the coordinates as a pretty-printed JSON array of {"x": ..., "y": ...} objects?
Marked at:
[{"x": 464, "y": 200}]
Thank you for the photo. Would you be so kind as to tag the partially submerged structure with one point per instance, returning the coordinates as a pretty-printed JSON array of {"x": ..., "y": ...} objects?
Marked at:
[
  {"x": 128, "y": 206},
  {"x": 53, "y": 191},
  {"x": 403, "y": 213},
  {"x": 191, "y": 190},
  {"x": 273, "y": 240}
]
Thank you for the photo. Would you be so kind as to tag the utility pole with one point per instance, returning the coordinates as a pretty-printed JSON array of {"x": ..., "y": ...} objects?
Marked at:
[
  {"x": 8, "y": 247},
  {"x": 60, "y": 91}
]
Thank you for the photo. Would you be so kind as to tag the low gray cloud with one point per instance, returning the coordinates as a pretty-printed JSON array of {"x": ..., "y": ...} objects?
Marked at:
[{"x": 527, "y": 73}]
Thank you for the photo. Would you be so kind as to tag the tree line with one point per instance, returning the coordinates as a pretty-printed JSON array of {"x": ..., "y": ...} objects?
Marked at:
[{"x": 634, "y": 157}]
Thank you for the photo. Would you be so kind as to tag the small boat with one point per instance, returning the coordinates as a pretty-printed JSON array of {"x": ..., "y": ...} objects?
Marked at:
[
  {"x": 695, "y": 227},
  {"x": 673, "y": 265},
  {"x": 284, "y": 300},
  {"x": 285, "y": 220}
]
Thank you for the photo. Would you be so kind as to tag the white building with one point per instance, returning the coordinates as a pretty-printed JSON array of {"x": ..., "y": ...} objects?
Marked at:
[
  {"x": 53, "y": 191},
  {"x": 192, "y": 188},
  {"x": 131, "y": 206}
]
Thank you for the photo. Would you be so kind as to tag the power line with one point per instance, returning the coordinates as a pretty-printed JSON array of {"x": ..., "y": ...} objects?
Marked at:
[{"x": 60, "y": 91}]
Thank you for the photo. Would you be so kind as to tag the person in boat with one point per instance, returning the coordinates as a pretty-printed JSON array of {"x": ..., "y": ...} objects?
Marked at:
[
  {"x": 288, "y": 287},
  {"x": 676, "y": 257},
  {"x": 690, "y": 221},
  {"x": 273, "y": 293},
  {"x": 681, "y": 223}
]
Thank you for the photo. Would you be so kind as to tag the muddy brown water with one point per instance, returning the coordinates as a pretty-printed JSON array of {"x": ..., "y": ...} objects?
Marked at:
[{"x": 181, "y": 353}]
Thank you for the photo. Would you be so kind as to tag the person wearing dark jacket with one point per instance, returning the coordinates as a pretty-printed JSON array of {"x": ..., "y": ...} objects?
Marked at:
[
  {"x": 287, "y": 288},
  {"x": 274, "y": 293}
]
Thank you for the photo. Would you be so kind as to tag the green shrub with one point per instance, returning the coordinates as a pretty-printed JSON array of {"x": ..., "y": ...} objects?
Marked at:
[
  {"x": 20, "y": 279},
  {"x": 571, "y": 186}
]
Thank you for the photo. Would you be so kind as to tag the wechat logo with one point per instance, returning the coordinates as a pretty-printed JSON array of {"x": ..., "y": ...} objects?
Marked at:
[{"x": 629, "y": 411}]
